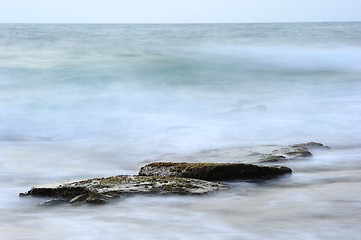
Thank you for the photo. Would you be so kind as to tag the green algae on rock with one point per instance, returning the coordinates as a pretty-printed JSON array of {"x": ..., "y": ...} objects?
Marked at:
[
  {"x": 100, "y": 190},
  {"x": 213, "y": 171}
]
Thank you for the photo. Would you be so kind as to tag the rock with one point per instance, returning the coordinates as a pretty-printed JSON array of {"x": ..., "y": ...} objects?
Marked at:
[
  {"x": 181, "y": 174},
  {"x": 312, "y": 145},
  {"x": 101, "y": 190},
  {"x": 272, "y": 158},
  {"x": 294, "y": 151},
  {"x": 213, "y": 171},
  {"x": 245, "y": 154}
]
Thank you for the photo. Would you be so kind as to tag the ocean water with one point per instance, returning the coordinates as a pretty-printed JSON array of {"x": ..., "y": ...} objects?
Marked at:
[{"x": 83, "y": 101}]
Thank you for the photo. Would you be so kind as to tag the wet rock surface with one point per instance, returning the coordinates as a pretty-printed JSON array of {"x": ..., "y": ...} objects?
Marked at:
[
  {"x": 101, "y": 190},
  {"x": 181, "y": 174},
  {"x": 213, "y": 171}
]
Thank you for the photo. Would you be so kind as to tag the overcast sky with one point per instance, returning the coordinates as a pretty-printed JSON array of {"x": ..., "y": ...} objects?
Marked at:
[{"x": 178, "y": 11}]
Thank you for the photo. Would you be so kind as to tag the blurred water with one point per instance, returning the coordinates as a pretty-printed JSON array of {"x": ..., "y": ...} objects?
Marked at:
[{"x": 82, "y": 101}]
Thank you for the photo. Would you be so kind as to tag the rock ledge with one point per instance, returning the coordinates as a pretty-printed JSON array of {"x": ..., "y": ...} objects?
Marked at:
[
  {"x": 100, "y": 190},
  {"x": 213, "y": 171}
]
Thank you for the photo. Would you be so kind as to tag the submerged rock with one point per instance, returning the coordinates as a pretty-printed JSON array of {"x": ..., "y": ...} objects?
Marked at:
[
  {"x": 293, "y": 151},
  {"x": 101, "y": 190},
  {"x": 245, "y": 154},
  {"x": 213, "y": 171}
]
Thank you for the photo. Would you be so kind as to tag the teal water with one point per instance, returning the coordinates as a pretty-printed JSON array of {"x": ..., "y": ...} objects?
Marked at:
[{"x": 81, "y": 101}]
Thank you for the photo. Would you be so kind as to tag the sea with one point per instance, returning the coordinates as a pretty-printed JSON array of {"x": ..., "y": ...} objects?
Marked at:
[{"x": 79, "y": 101}]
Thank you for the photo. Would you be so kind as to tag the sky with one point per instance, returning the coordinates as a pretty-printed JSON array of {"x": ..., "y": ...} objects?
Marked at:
[{"x": 178, "y": 11}]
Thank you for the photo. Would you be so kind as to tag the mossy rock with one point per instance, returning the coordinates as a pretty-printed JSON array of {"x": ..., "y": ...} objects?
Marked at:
[
  {"x": 101, "y": 190},
  {"x": 213, "y": 171}
]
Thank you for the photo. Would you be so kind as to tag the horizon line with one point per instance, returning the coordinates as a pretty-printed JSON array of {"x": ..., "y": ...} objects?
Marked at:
[{"x": 183, "y": 23}]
